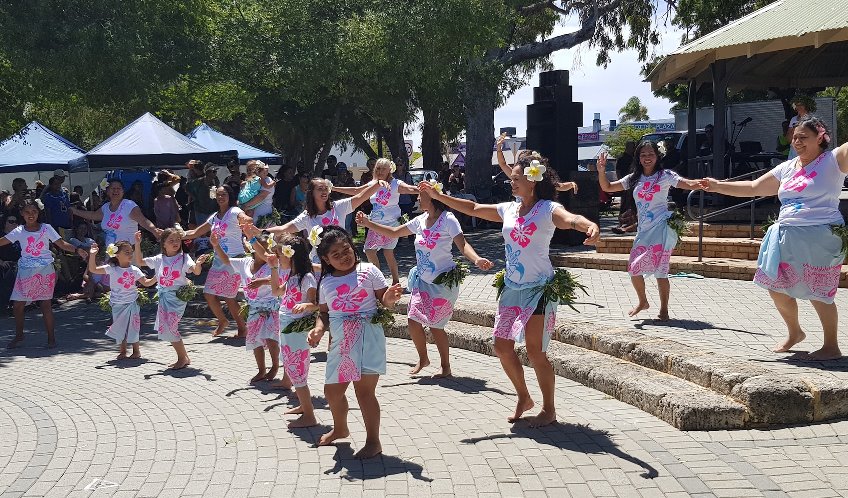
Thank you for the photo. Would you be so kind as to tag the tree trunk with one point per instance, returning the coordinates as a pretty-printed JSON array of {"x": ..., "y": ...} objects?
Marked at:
[
  {"x": 431, "y": 139},
  {"x": 318, "y": 166},
  {"x": 479, "y": 139},
  {"x": 394, "y": 139}
]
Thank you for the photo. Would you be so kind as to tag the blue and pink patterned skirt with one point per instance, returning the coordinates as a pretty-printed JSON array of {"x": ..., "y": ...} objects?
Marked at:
[{"x": 357, "y": 348}]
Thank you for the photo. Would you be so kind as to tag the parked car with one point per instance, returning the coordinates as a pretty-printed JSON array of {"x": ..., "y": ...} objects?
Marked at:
[
  {"x": 420, "y": 175},
  {"x": 676, "y": 144}
]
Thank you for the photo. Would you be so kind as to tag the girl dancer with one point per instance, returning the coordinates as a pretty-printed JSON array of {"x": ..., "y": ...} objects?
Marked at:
[
  {"x": 119, "y": 218},
  {"x": 223, "y": 281},
  {"x": 801, "y": 255},
  {"x": 126, "y": 321},
  {"x": 386, "y": 211},
  {"x": 321, "y": 211},
  {"x": 523, "y": 312},
  {"x": 292, "y": 279},
  {"x": 36, "y": 277},
  {"x": 432, "y": 303},
  {"x": 172, "y": 267},
  {"x": 348, "y": 295},
  {"x": 648, "y": 184},
  {"x": 263, "y": 318}
]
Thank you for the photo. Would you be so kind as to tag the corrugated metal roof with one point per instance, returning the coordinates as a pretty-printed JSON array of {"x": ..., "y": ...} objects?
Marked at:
[{"x": 784, "y": 18}]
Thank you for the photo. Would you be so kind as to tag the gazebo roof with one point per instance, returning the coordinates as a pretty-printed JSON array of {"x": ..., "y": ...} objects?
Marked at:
[{"x": 788, "y": 43}]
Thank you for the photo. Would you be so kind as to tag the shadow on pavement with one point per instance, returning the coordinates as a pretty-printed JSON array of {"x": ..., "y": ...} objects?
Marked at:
[
  {"x": 840, "y": 365},
  {"x": 127, "y": 363},
  {"x": 378, "y": 467},
  {"x": 570, "y": 437},
  {"x": 465, "y": 385},
  {"x": 688, "y": 325},
  {"x": 183, "y": 373}
]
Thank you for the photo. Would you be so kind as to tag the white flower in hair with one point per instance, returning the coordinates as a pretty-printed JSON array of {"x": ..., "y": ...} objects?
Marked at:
[
  {"x": 111, "y": 250},
  {"x": 535, "y": 171},
  {"x": 271, "y": 243},
  {"x": 437, "y": 186},
  {"x": 393, "y": 167},
  {"x": 661, "y": 148},
  {"x": 213, "y": 193},
  {"x": 315, "y": 236},
  {"x": 329, "y": 186},
  {"x": 287, "y": 251},
  {"x": 39, "y": 204},
  {"x": 104, "y": 183}
]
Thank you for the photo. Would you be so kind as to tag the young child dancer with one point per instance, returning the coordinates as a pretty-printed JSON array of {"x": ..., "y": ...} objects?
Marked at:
[
  {"x": 293, "y": 281},
  {"x": 172, "y": 267},
  {"x": 263, "y": 318},
  {"x": 126, "y": 321},
  {"x": 431, "y": 304},
  {"x": 348, "y": 295},
  {"x": 36, "y": 278}
]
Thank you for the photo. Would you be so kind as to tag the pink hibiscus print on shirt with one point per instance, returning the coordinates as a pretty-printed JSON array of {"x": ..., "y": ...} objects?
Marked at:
[
  {"x": 648, "y": 192},
  {"x": 383, "y": 197},
  {"x": 348, "y": 299},
  {"x": 114, "y": 221},
  {"x": 168, "y": 277},
  {"x": 800, "y": 181},
  {"x": 292, "y": 297},
  {"x": 34, "y": 248},
  {"x": 127, "y": 280},
  {"x": 219, "y": 229},
  {"x": 522, "y": 233},
  {"x": 429, "y": 238}
]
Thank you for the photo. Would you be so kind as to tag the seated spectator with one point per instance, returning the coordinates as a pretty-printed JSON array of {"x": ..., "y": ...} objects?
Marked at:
[{"x": 82, "y": 236}]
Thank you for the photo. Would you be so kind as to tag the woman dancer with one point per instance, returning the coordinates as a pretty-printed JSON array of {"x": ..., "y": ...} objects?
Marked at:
[
  {"x": 801, "y": 256},
  {"x": 322, "y": 212},
  {"x": 123, "y": 296},
  {"x": 119, "y": 218},
  {"x": 523, "y": 313},
  {"x": 36, "y": 279},
  {"x": 223, "y": 281},
  {"x": 386, "y": 211},
  {"x": 293, "y": 281},
  {"x": 431, "y": 304},
  {"x": 648, "y": 184},
  {"x": 171, "y": 268},
  {"x": 348, "y": 296}
]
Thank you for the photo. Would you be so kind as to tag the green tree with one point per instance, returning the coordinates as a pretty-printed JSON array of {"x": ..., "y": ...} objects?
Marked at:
[
  {"x": 633, "y": 110},
  {"x": 616, "y": 140}
]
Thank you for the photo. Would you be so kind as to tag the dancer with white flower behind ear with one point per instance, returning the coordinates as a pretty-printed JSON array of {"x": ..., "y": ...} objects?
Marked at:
[
  {"x": 529, "y": 289},
  {"x": 648, "y": 184}
]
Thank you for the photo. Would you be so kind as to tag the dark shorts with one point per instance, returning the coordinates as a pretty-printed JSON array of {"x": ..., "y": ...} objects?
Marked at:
[{"x": 540, "y": 308}]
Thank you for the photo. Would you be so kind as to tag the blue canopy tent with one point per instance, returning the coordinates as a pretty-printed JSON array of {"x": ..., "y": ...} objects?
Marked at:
[
  {"x": 36, "y": 148},
  {"x": 212, "y": 139},
  {"x": 148, "y": 142}
]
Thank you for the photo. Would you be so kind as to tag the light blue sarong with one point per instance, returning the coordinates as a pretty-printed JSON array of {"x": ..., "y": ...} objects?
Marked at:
[
  {"x": 294, "y": 352},
  {"x": 168, "y": 315},
  {"x": 126, "y": 323},
  {"x": 431, "y": 305},
  {"x": 357, "y": 348},
  {"x": 517, "y": 304}
]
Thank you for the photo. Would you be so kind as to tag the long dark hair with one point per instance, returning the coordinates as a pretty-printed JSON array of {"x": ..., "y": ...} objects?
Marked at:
[
  {"x": 300, "y": 262},
  {"x": 637, "y": 170},
  {"x": 330, "y": 236},
  {"x": 231, "y": 194},
  {"x": 545, "y": 189},
  {"x": 311, "y": 207}
]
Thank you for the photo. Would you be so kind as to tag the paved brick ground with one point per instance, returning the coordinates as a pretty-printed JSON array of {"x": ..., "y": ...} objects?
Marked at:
[{"x": 74, "y": 419}]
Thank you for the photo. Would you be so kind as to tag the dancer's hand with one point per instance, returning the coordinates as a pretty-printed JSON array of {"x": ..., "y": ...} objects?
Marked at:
[
  {"x": 500, "y": 142},
  {"x": 272, "y": 260},
  {"x": 592, "y": 235},
  {"x": 259, "y": 282},
  {"x": 315, "y": 336},
  {"x": 601, "y": 165},
  {"x": 362, "y": 219},
  {"x": 203, "y": 258},
  {"x": 214, "y": 239},
  {"x": 82, "y": 253},
  {"x": 708, "y": 184},
  {"x": 138, "y": 237},
  {"x": 392, "y": 295},
  {"x": 484, "y": 264},
  {"x": 250, "y": 230},
  {"x": 92, "y": 251}
]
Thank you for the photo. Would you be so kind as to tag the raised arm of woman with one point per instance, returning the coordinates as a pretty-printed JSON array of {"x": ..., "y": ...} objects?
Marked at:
[
  {"x": 484, "y": 211},
  {"x": 197, "y": 232},
  {"x": 841, "y": 153},
  {"x": 763, "y": 186},
  {"x": 88, "y": 215},
  {"x": 363, "y": 195},
  {"x": 606, "y": 186}
]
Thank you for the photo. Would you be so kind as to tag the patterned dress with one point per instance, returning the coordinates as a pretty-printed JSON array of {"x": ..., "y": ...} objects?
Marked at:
[
  {"x": 294, "y": 346},
  {"x": 385, "y": 211}
]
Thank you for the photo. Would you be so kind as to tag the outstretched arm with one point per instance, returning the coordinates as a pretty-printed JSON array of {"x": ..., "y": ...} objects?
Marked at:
[
  {"x": 687, "y": 184},
  {"x": 197, "y": 232},
  {"x": 841, "y": 153},
  {"x": 349, "y": 190},
  {"x": 501, "y": 159},
  {"x": 565, "y": 220},
  {"x": 92, "y": 265},
  {"x": 148, "y": 225},
  {"x": 362, "y": 196},
  {"x": 763, "y": 186},
  {"x": 137, "y": 259},
  {"x": 65, "y": 246},
  {"x": 405, "y": 188},
  {"x": 484, "y": 211},
  {"x": 393, "y": 232},
  {"x": 88, "y": 215},
  {"x": 470, "y": 254}
]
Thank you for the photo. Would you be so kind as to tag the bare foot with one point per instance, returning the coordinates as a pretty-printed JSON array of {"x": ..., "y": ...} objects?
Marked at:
[
  {"x": 284, "y": 384},
  {"x": 303, "y": 421},
  {"x": 370, "y": 450},
  {"x": 542, "y": 419},
  {"x": 639, "y": 307},
  {"x": 260, "y": 376},
  {"x": 272, "y": 373},
  {"x": 663, "y": 316},
  {"x": 790, "y": 341},
  {"x": 328, "y": 438},
  {"x": 443, "y": 373},
  {"x": 180, "y": 364},
  {"x": 297, "y": 410},
  {"x": 824, "y": 354},
  {"x": 241, "y": 334},
  {"x": 122, "y": 355},
  {"x": 15, "y": 343},
  {"x": 222, "y": 326},
  {"x": 522, "y": 406},
  {"x": 422, "y": 364},
  {"x": 135, "y": 356},
  {"x": 51, "y": 344}
]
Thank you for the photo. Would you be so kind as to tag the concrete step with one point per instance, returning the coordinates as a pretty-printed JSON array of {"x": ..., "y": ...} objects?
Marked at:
[
  {"x": 727, "y": 230},
  {"x": 680, "y": 403},
  {"x": 733, "y": 269},
  {"x": 713, "y": 247},
  {"x": 768, "y": 398}
]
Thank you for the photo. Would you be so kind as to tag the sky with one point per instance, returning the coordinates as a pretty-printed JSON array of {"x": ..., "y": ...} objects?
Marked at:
[{"x": 603, "y": 90}]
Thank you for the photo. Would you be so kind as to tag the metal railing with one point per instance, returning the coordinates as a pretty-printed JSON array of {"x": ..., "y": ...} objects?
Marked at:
[{"x": 704, "y": 169}]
